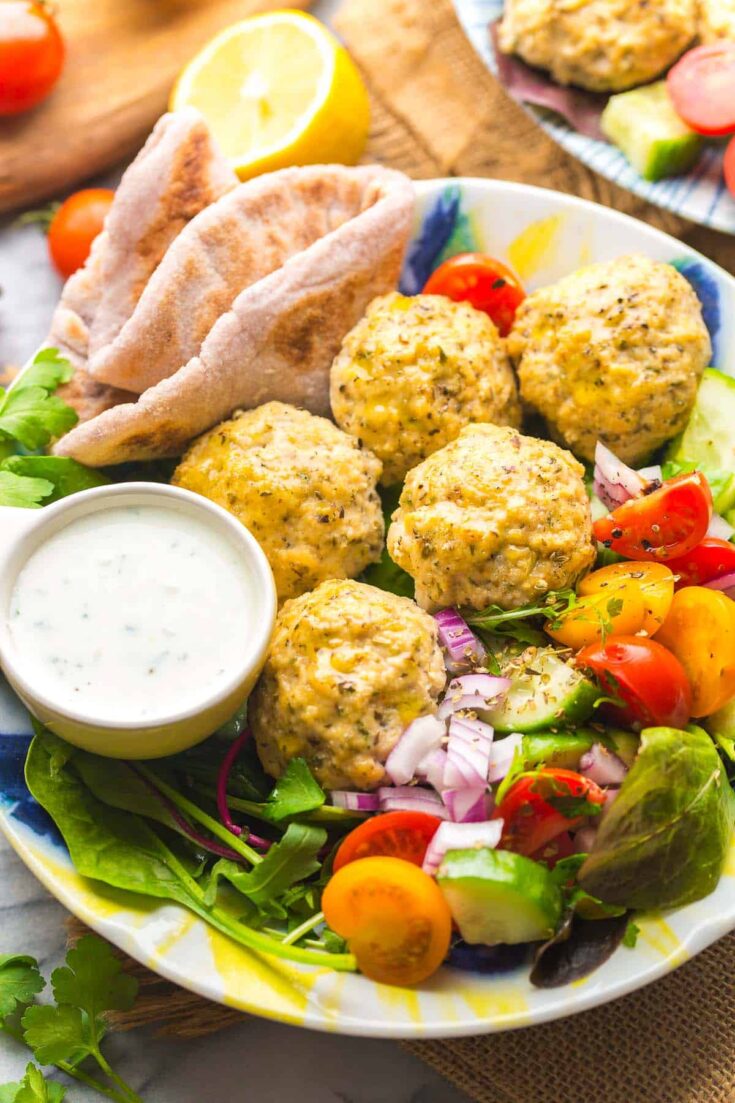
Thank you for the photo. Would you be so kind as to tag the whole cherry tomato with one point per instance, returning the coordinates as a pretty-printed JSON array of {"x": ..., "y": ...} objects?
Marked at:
[
  {"x": 541, "y": 805},
  {"x": 483, "y": 282},
  {"x": 649, "y": 682},
  {"x": 394, "y": 835},
  {"x": 665, "y": 524},
  {"x": 711, "y": 559},
  {"x": 31, "y": 54},
  {"x": 75, "y": 226},
  {"x": 700, "y": 631}
]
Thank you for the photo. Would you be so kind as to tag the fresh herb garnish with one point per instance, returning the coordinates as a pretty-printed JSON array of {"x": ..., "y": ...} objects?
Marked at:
[
  {"x": 70, "y": 1031},
  {"x": 514, "y": 623}
]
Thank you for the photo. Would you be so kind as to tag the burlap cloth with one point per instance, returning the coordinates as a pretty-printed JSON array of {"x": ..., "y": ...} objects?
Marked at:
[{"x": 438, "y": 112}]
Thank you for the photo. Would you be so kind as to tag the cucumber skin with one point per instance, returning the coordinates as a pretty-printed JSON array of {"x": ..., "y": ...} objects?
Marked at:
[
  {"x": 475, "y": 881},
  {"x": 586, "y": 694},
  {"x": 716, "y": 394},
  {"x": 644, "y": 126},
  {"x": 562, "y": 751}
]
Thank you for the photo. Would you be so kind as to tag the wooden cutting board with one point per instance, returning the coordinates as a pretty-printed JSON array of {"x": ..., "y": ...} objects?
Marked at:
[{"x": 122, "y": 58}]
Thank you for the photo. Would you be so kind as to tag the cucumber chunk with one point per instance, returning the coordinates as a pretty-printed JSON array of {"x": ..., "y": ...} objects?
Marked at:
[
  {"x": 708, "y": 442},
  {"x": 561, "y": 750},
  {"x": 496, "y": 896},
  {"x": 647, "y": 130},
  {"x": 547, "y": 694}
]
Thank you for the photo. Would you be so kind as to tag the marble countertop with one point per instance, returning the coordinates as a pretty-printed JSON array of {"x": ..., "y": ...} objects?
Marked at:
[{"x": 245, "y": 1062}]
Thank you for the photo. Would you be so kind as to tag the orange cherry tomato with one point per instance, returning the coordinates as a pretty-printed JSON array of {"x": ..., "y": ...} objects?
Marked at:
[
  {"x": 543, "y": 805},
  {"x": 31, "y": 54},
  {"x": 394, "y": 835},
  {"x": 75, "y": 226},
  {"x": 393, "y": 916},
  {"x": 700, "y": 631},
  {"x": 620, "y": 600},
  {"x": 665, "y": 524},
  {"x": 649, "y": 682},
  {"x": 711, "y": 559},
  {"x": 481, "y": 281}
]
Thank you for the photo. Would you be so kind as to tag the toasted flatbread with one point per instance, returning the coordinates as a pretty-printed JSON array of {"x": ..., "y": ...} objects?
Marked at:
[
  {"x": 179, "y": 171},
  {"x": 279, "y": 337}
]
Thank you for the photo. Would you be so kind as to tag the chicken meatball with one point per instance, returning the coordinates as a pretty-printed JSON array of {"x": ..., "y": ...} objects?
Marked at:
[
  {"x": 613, "y": 352},
  {"x": 493, "y": 518},
  {"x": 305, "y": 489},
  {"x": 603, "y": 45},
  {"x": 413, "y": 372},
  {"x": 716, "y": 20},
  {"x": 350, "y": 667}
]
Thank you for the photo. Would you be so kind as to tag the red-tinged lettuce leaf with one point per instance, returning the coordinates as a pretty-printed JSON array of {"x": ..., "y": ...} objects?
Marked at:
[{"x": 526, "y": 85}]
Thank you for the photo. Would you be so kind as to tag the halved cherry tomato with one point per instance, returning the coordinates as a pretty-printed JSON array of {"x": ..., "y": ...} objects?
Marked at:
[
  {"x": 394, "y": 917},
  {"x": 620, "y": 600},
  {"x": 700, "y": 631},
  {"x": 542, "y": 805},
  {"x": 648, "y": 680},
  {"x": 729, "y": 166},
  {"x": 31, "y": 54},
  {"x": 75, "y": 226},
  {"x": 713, "y": 558},
  {"x": 482, "y": 281},
  {"x": 394, "y": 834},
  {"x": 702, "y": 88},
  {"x": 561, "y": 847},
  {"x": 667, "y": 523}
]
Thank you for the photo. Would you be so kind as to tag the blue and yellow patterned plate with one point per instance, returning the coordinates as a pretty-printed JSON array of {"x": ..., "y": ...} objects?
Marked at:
[
  {"x": 543, "y": 235},
  {"x": 700, "y": 195}
]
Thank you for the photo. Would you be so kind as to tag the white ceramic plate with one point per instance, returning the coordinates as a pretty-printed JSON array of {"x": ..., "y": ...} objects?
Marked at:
[
  {"x": 544, "y": 236},
  {"x": 700, "y": 195}
]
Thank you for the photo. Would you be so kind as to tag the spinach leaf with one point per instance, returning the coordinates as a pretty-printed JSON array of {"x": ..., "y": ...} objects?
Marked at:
[
  {"x": 295, "y": 792},
  {"x": 293, "y": 858},
  {"x": 664, "y": 841},
  {"x": 116, "y": 784}
]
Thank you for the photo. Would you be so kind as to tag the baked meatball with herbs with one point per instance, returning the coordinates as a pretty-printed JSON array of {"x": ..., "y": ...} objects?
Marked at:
[
  {"x": 494, "y": 518},
  {"x": 612, "y": 352},
  {"x": 603, "y": 45},
  {"x": 413, "y": 372},
  {"x": 350, "y": 667},
  {"x": 306, "y": 490}
]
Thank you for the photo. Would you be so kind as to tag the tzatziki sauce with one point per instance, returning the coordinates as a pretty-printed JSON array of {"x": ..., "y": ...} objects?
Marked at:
[{"x": 131, "y": 613}]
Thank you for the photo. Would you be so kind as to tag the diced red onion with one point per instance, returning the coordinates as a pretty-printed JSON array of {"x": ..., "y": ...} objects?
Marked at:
[
  {"x": 467, "y": 805},
  {"x": 611, "y": 795},
  {"x": 652, "y": 474},
  {"x": 719, "y": 528},
  {"x": 461, "y": 836},
  {"x": 584, "y": 840},
  {"x": 432, "y": 769},
  {"x": 417, "y": 742},
  {"x": 472, "y": 692},
  {"x": 602, "y": 766},
  {"x": 411, "y": 798},
  {"x": 462, "y": 649},
  {"x": 355, "y": 802},
  {"x": 615, "y": 482},
  {"x": 468, "y": 755},
  {"x": 502, "y": 754},
  {"x": 726, "y": 584}
]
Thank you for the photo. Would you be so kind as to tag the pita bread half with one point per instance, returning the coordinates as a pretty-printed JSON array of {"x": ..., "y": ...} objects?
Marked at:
[
  {"x": 178, "y": 171},
  {"x": 278, "y": 340}
]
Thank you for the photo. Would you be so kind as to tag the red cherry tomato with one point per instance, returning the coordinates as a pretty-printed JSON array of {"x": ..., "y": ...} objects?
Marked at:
[
  {"x": 648, "y": 680},
  {"x": 485, "y": 283},
  {"x": 711, "y": 559},
  {"x": 665, "y": 524},
  {"x": 75, "y": 226},
  {"x": 31, "y": 54},
  {"x": 729, "y": 166},
  {"x": 393, "y": 835},
  {"x": 541, "y": 806},
  {"x": 702, "y": 88}
]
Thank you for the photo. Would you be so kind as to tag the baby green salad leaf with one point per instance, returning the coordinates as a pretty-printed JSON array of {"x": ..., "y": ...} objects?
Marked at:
[
  {"x": 663, "y": 842},
  {"x": 292, "y": 859},
  {"x": 295, "y": 792}
]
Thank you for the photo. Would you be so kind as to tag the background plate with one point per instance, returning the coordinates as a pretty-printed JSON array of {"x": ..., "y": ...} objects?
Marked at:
[
  {"x": 700, "y": 196},
  {"x": 543, "y": 235}
]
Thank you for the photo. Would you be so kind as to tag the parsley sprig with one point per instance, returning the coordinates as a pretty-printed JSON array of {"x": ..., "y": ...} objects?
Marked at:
[
  {"x": 518, "y": 624},
  {"x": 67, "y": 1033}
]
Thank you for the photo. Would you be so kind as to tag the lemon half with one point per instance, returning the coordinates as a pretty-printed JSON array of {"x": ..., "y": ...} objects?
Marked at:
[{"x": 278, "y": 89}]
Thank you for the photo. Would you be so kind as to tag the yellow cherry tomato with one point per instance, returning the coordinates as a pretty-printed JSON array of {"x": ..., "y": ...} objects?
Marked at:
[
  {"x": 625, "y": 599},
  {"x": 393, "y": 916},
  {"x": 700, "y": 631}
]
